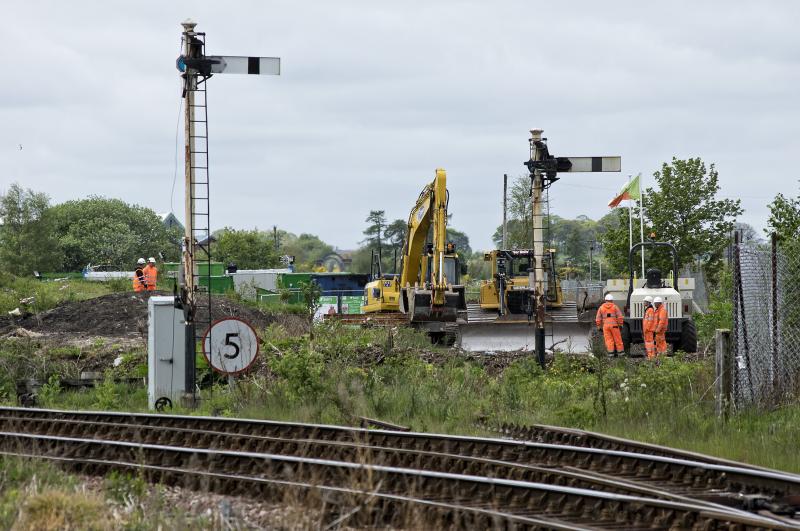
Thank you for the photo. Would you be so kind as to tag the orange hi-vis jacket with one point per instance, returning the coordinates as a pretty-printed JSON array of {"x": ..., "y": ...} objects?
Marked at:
[
  {"x": 661, "y": 319},
  {"x": 649, "y": 320},
  {"x": 150, "y": 276},
  {"x": 609, "y": 314},
  {"x": 139, "y": 280}
]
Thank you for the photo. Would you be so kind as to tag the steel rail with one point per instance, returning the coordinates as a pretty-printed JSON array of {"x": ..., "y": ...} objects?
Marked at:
[
  {"x": 439, "y": 513},
  {"x": 340, "y": 451},
  {"x": 744, "y": 488},
  {"x": 575, "y": 437},
  {"x": 564, "y": 506}
]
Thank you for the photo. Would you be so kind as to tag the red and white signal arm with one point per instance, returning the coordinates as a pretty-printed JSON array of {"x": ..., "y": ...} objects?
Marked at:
[{"x": 230, "y": 346}]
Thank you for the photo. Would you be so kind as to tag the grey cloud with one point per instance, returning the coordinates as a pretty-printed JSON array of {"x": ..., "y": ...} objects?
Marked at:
[{"x": 373, "y": 97}]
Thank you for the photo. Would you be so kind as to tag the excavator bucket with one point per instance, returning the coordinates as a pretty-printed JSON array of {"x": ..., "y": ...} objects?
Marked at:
[{"x": 421, "y": 309}]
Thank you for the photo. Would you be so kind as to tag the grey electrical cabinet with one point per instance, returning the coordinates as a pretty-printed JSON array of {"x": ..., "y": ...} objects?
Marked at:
[{"x": 166, "y": 340}]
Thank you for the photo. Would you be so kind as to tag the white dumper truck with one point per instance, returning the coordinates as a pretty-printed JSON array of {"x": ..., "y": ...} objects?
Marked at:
[{"x": 677, "y": 294}]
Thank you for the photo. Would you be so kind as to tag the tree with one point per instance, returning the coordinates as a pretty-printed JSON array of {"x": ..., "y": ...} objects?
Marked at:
[
  {"x": 98, "y": 230},
  {"x": 395, "y": 234},
  {"x": 374, "y": 231},
  {"x": 784, "y": 217},
  {"x": 685, "y": 211},
  {"x": 307, "y": 249},
  {"x": 248, "y": 249},
  {"x": 616, "y": 240},
  {"x": 27, "y": 240},
  {"x": 519, "y": 224},
  {"x": 461, "y": 240}
]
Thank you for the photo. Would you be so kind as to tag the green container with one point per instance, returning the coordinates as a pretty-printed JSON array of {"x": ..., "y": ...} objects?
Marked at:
[
  {"x": 292, "y": 280},
  {"x": 217, "y": 269},
  {"x": 219, "y": 284}
]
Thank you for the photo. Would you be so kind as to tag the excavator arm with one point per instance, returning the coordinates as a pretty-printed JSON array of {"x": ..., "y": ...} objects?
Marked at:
[{"x": 429, "y": 297}]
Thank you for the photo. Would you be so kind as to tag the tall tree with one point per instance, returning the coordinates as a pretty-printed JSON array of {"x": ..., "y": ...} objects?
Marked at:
[
  {"x": 684, "y": 210},
  {"x": 27, "y": 239},
  {"x": 395, "y": 234},
  {"x": 98, "y": 230},
  {"x": 784, "y": 217},
  {"x": 374, "y": 231}
]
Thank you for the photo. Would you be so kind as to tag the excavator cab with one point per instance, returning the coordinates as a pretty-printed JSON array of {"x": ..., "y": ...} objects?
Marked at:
[{"x": 382, "y": 293}]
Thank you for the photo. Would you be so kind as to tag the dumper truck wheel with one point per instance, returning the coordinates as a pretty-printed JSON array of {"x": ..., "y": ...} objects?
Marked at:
[{"x": 688, "y": 342}]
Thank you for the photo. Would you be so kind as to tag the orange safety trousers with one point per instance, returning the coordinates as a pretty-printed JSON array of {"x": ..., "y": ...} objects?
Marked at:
[
  {"x": 150, "y": 276},
  {"x": 610, "y": 318},
  {"x": 661, "y": 322},
  {"x": 648, "y": 332}
]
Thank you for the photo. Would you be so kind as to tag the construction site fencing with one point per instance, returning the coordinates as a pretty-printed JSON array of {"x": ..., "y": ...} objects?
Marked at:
[{"x": 766, "y": 323}]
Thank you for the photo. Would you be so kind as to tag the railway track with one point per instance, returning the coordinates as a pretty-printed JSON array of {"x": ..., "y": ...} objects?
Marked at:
[
  {"x": 634, "y": 473},
  {"x": 573, "y": 437},
  {"x": 443, "y": 498}
]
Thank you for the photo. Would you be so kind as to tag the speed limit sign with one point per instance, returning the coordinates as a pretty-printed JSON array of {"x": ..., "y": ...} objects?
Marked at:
[{"x": 230, "y": 346}]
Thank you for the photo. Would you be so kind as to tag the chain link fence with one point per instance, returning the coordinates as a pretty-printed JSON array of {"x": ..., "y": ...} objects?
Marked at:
[{"x": 766, "y": 323}]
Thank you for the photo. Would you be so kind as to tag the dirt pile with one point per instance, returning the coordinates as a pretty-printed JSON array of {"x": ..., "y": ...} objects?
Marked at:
[{"x": 115, "y": 315}]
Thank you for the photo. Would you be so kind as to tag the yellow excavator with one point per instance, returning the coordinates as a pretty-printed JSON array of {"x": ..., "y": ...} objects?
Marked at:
[{"x": 428, "y": 288}]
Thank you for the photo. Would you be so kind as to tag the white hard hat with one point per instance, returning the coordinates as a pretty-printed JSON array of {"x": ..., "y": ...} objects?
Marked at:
[
  {"x": 140, "y": 261},
  {"x": 609, "y": 297},
  {"x": 151, "y": 260},
  {"x": 658, "y": 300},
  {"x": 648, "y": 299}
]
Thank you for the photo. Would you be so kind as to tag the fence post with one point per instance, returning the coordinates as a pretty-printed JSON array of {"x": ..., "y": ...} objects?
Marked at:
[
  {"x": 724, "y": 372},
  {"x": 774, "y": 332}
]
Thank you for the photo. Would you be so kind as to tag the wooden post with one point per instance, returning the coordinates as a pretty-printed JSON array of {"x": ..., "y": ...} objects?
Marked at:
[{"x": 724, "y": 373}]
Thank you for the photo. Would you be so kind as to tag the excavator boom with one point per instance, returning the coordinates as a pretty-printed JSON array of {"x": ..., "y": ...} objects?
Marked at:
[{"x": 427, "y": 292}]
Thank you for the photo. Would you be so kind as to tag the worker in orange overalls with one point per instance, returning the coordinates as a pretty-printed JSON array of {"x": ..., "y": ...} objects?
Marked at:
[
  {"x": 661, "y": 325},
  {"x": 139, "y": 278},
  {"x": 649, "y": 328},
  {"x": 151, "y": 274},
  {"x": 609, "y": 319}
]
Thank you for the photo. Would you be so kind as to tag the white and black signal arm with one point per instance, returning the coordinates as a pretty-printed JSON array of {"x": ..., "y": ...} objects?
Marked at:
[
  {"x": 207, "y": 65},
  {"x": 549, "y": 166}
]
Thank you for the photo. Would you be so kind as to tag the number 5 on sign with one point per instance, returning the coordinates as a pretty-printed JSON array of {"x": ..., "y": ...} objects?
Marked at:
[{"x": 230, "y": 346}]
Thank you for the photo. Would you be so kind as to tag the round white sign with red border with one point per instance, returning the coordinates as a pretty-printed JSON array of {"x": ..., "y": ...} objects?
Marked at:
[{"x": 230, "y": 346}]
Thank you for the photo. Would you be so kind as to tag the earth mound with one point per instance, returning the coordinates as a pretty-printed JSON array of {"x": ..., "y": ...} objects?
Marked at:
[{"x": 116, "y": 315}]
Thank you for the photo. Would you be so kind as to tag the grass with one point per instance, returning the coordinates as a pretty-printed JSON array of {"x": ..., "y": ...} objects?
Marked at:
[
  {"x": 47, "y": 294},
  {"x": 397, "y": 376}
]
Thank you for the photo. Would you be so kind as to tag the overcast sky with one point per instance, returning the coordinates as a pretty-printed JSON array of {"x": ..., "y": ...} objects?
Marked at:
[{"x": 373, "y": 96}]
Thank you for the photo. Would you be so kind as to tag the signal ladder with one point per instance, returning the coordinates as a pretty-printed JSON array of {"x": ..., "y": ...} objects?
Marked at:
[{"x": 197, "y": 100}]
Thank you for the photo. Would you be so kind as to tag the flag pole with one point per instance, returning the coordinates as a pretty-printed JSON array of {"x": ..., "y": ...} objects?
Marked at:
[
  {"x": 630, "y": 219},
  {"x": 641, "y": 221}
]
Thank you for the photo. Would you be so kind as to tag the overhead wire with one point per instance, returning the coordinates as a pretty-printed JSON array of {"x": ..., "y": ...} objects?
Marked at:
[{"x": 177, "y": 129}]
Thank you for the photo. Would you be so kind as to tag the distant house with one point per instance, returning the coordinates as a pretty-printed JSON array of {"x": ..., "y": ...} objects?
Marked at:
[{"x": 170, "y": 221}]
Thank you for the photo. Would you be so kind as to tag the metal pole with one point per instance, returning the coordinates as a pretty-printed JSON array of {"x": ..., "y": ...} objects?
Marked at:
[
  {"x": 537, "y": 188},
  {"x": 505, "y": 211},
  {"x": 774, "y": 260},
  {"x": 641, "y": 226},
  {"x": 188, "y": 289},
  {"x": 591, "y": 261}
]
